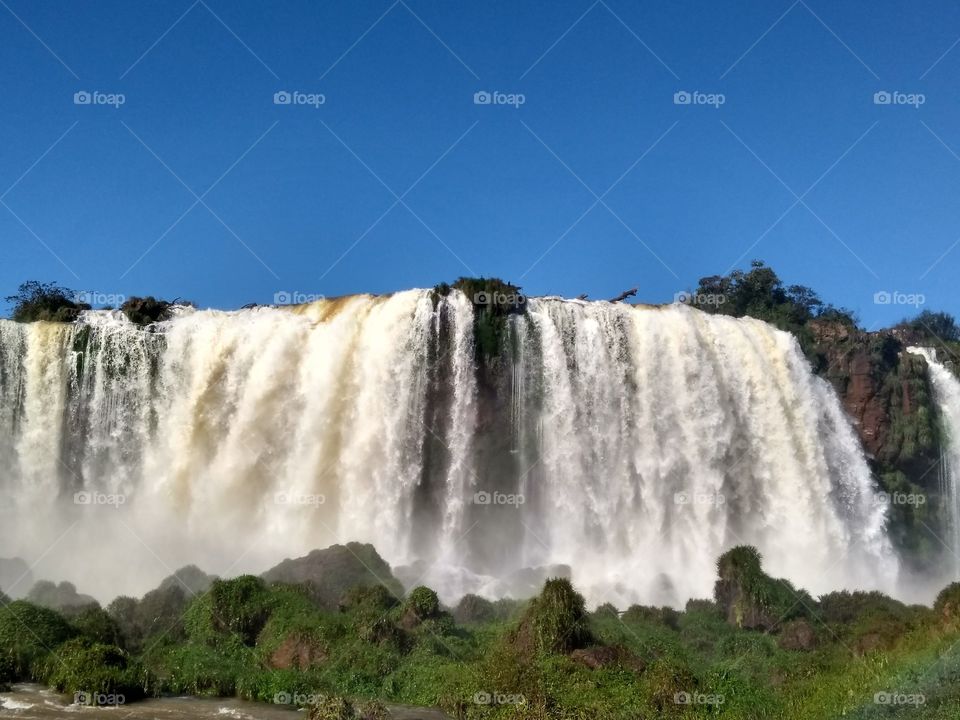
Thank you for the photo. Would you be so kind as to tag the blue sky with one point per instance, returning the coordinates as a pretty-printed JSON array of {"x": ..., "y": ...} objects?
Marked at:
[{"x": 200, "y": 186}]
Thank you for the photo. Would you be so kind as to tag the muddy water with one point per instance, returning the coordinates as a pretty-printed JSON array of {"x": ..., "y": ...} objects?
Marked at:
[{"x": 34, "y": 702}]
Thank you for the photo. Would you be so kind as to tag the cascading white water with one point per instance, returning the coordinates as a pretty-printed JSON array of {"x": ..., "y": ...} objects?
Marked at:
[
  {"x": 946, "y": 390},
  {"x": 633, "y": 444}
]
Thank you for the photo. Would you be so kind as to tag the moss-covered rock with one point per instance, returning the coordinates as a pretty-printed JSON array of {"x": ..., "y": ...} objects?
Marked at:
[
  {"x": 474, "y": 609},
  {"x": 330, "y": 573},
  {"x": 59, "y": 597}
]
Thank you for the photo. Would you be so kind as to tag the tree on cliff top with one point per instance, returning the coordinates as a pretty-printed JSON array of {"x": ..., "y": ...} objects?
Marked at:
[
  {"x": 935, "y": 325},
  {"x": 760, "y": 293}
]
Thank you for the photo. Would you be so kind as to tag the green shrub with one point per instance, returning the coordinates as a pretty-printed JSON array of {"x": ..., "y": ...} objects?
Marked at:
[
  {"x": 666, "y": 616},
  {"x": 237, "y": 607},
  {"x": 28, "y": 633},
  {"x": 45, "y": 301},
  {"x": 160, "y": 615},
  {"x": 80, "y": 666},
  {"x": 423, "y": 602},
  {"x": 146, "y": 310},
  {"x": 750, "y": 598},
  {"x": 96, "y": 625},
  {"x": 558, "y": 618},
  {"x": 947, "y": 604},
  {"x": 374, "y": 598}
]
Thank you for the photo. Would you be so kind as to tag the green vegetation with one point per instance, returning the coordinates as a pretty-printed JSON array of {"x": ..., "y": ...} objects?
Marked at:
[
  {"x": 746, "y": 654},
  {"x": 144, "y": 311},
  {"x": 50, "y": 302},
  {"x": 494, "y": 300}
]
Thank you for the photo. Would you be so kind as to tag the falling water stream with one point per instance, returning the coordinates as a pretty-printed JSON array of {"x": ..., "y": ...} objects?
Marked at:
[{"x": 632, "y": 444}]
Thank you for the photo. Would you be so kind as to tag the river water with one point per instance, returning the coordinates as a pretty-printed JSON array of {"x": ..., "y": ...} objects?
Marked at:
[{"x": 35, "y": 702}]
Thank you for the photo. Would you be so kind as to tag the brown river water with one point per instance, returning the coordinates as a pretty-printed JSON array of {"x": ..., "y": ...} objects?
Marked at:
[{"x": 35, "y": 702}]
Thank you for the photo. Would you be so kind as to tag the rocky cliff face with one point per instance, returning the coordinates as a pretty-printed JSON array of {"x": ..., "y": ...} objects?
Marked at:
[{"x": 886, "y": 391}]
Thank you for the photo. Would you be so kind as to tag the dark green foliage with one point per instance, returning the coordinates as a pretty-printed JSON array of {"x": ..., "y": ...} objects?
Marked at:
[
  {"x": 96, "y": 625},
  {"x": 146, "y": 310},
  {"x": 94, "y": 668},
  {"x": 947, "y": 605},
  {"x": 3, "y": 598},
  {"x": 760, "y": 293},
  {"x": 666, "y": 616},
  {"x": 361, "y": 598},
  {"x": 28, "y": 633},
  {"x": 45, "y": 301},
  {"x": 937, "y": 327},
  {"x": 158, "y": 615},
  {"x": 750, "y": 598},
  {"x": 235, "y": 608},
  {"x": 558, "y": 618},
  {"x": 423, "y": 602}
]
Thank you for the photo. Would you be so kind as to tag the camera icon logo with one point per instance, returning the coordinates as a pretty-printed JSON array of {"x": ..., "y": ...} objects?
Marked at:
[
  {"x": 882, "y": 97},
  {"x": 482, "y": 97},
  {"x": 82, "y": 98},
  {"x": 481, "y": 498},
  {"x": 882, "y": 298},
  {"x": 282, "y": 97},
  {"x": 682, "y": 97},
  {"x": 481, "y": 298}
]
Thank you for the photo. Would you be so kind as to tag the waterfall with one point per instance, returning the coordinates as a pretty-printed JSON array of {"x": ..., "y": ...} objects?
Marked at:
[
  {"x": 632, "y": 444},
  {"x": 946, "y": 389}
]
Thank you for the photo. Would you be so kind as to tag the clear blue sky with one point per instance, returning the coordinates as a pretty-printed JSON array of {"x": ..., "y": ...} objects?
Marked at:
[{"x": 303, "y": 198}]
